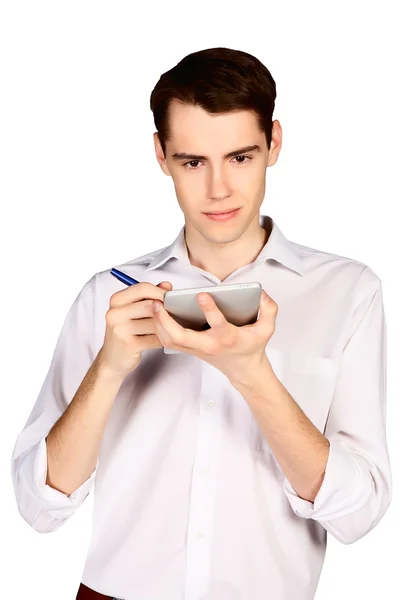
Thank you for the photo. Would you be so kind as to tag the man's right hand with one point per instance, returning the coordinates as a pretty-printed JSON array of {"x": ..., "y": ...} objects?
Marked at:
[{"x": 130, "y": 327}]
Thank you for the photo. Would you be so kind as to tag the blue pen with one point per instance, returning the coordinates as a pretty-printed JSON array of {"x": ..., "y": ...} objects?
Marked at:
[{"x": 123, "y": 277}]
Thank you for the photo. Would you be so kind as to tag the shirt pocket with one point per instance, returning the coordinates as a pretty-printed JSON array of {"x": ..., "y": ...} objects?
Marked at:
[{"x": 309, "y": 379}]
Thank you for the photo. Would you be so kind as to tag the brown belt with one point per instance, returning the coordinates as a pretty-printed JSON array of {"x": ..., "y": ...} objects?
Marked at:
[{"x": 85, "y": 593}]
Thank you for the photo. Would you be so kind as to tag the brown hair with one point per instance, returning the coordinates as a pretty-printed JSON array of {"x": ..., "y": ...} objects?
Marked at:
[{"x": 219, "y": 80}]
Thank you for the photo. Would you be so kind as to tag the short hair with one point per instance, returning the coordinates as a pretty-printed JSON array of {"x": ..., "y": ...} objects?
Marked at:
[{"x": 219, "y": 80}]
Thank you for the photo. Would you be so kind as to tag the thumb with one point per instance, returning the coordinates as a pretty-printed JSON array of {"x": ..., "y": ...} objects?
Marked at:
[{"x": 165, "y": 285}]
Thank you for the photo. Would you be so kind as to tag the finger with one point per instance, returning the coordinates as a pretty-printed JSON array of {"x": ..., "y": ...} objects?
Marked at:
[
  {"x": 171, "y": 332},
  {"x": 268, "y": 310},
  {"x": 214, "y": 316},
  {"x": 134, "y": 293}
]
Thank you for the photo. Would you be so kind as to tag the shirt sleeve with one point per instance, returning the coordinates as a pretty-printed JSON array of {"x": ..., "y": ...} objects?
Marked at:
[
  {"x": 43, "y": 507},
  {"x": 357, "y": 487}
]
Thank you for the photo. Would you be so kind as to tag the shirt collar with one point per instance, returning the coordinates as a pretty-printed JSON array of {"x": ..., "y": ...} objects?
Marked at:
[{"x": 277, "y": 248}]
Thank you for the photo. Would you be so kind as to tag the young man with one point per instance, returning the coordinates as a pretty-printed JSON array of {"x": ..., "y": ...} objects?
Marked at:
[{"x": 219, "y": 470}]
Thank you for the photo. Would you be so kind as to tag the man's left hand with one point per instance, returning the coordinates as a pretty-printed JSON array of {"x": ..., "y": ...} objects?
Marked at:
[{"x": 238, "y": 352}]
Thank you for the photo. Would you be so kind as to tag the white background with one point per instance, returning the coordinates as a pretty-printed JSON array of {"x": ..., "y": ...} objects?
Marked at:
[{"x": 81, "y": 191}]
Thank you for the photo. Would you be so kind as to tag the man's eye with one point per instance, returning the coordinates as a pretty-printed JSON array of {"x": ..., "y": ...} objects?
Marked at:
[
  {"x": 190, "y": 163},
  {"x": 241, "y": 162}
]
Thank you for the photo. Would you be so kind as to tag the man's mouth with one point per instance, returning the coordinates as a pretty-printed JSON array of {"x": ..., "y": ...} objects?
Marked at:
[{"x": 223, "y": 216}]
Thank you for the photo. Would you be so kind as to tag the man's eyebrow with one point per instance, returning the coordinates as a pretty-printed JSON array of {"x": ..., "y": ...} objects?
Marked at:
[{"x": 185, "y": 155}]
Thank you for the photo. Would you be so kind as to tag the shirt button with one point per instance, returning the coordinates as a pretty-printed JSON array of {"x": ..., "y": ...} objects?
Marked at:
[
  {"x": 205, "y": 470},
  {"x": 211, "y": 402},
  {"x": 199, "y": 534}
]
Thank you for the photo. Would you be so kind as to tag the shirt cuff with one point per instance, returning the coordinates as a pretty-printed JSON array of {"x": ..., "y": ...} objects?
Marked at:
[
  {"x": 346, "y": 487},
  {"x": 56, "y": 503}
]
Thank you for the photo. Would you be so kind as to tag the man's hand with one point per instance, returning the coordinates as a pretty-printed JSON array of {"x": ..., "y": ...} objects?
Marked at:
[{"x": 235, "y": 351}]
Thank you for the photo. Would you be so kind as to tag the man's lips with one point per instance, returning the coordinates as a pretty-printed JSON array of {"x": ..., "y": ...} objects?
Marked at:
[
  {"x": 221, "y": 212},
  {"x": 226, "y": 216}
]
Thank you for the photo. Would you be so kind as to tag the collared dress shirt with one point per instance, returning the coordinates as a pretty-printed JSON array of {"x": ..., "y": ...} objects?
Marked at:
[{"x": 190, "y": 502}]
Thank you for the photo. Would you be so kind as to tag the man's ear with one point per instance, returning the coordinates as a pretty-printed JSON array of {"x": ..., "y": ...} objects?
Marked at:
[
  {"x": 276, "y": 143},
  {"x": 160, "y": 154}
]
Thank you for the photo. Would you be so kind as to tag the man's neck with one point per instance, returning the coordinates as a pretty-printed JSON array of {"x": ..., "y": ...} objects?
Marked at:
[{"x": 227, "y": 260}]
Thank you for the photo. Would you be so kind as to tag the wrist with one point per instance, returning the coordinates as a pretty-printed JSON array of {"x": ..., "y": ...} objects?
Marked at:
[
  {"x": 255, "y": 378},
  {"x": 107, "y": 373}
]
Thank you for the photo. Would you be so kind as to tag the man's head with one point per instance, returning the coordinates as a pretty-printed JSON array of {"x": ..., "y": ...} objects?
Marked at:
[{"x": 214, "y": 103}]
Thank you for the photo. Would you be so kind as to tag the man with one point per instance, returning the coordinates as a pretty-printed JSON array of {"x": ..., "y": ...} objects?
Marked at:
[{"x": 218, "y": 471}]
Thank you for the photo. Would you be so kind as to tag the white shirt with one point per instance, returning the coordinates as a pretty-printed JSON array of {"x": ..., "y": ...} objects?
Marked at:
[{"x": 189, "y": 500}]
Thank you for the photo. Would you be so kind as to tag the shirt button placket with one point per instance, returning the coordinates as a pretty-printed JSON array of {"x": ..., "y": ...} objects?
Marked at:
[{"x": 203, "y": 488}]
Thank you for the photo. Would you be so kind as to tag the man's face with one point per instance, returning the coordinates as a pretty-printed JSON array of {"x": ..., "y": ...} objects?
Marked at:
[{"x": 215, "y": 182}]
